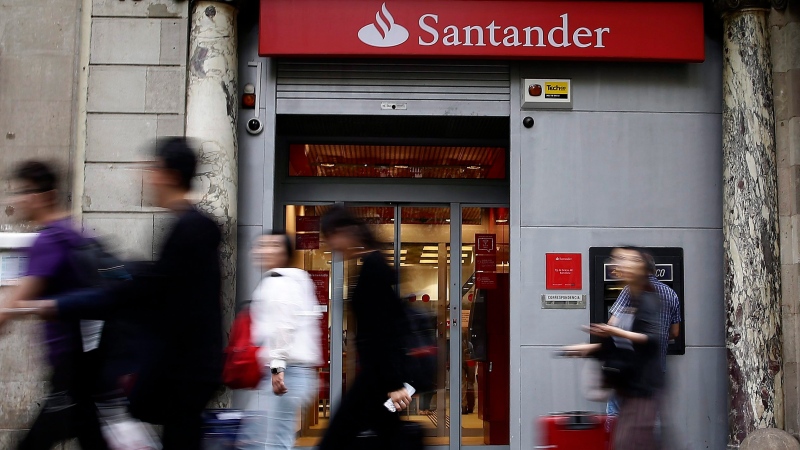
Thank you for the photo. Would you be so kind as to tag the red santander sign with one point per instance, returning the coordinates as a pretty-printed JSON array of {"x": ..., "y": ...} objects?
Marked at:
[{"x": 509, "y": 29}]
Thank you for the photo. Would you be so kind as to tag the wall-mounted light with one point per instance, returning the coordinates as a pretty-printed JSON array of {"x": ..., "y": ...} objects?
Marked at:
[{"x": 249, "y": 97}]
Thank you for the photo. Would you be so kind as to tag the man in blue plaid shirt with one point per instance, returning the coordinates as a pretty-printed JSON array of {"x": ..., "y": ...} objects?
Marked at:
[{"x": 670, "y": 317}]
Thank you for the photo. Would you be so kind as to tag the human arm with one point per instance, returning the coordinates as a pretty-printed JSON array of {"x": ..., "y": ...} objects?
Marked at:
[
  {"x": 581, "y": 350},
  {"x": 605, "y": 330},
  {"x": 29, "y": 287},
  {"x": 674, "y": 330}
]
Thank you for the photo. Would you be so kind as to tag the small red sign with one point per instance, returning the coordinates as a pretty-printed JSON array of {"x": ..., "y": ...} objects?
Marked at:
[
  {"x": 308, "y": 241},
  {"x": 570, "y": 30},
  {"x": 564, "y": 271},
  {"x": 485, "y": 280},
  {"x": 485, "y": 244},
  {"x": 307, "y": 223},
  {"x": 321, "y": 280}
]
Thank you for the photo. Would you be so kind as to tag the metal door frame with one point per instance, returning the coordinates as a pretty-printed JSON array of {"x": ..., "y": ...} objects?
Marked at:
[{"x": 337, "y": 304}]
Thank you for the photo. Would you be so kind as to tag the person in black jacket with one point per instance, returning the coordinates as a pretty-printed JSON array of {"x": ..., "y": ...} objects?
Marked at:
[
  {"x": 176, "y": 301},
  {"x": 635, "y": 340},
  {"x": 379, "y": 341}
]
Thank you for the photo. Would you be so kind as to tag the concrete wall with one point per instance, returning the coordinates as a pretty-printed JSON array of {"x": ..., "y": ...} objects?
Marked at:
[
  {"x": 785, "y": 41},
  {"x": 136, "y": 93},
  {"x": 38, "y": 89},
  {"x": 38, "y": 81},
  {"x": 638, "y": 161}
]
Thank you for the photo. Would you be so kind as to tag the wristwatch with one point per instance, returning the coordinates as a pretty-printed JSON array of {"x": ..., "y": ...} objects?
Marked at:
[{"x": 277, "y": 370}]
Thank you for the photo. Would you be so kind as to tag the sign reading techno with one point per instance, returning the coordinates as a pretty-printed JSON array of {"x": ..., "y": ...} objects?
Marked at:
[{"x": 639, "y": 31}]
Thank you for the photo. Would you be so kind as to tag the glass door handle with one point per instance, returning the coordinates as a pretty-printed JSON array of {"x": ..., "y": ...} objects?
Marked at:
[{"x": 490, "y": 366}]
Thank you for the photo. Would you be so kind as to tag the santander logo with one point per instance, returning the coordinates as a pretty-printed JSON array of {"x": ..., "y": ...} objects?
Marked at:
[{"x": 384, "y": 32}]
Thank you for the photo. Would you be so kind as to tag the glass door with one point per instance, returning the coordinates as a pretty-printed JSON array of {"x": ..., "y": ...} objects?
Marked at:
[{"x": 469, "y": 405}]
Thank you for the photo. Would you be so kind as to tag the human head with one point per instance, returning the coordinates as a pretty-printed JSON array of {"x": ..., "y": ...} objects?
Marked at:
[
  {"x": 173, "y": 169},
  {"x": 344, "y": 232},
  {"x": 34, "y": 193},
  {"x": 632, "y": 267},
  {"x": 273, "y": 250}
]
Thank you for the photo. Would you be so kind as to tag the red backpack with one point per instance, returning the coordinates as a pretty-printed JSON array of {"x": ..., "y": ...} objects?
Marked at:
[{"x": 242, "y": 369}]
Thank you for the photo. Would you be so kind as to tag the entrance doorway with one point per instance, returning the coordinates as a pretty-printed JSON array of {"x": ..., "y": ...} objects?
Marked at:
[{"x": 439, "y": 208}]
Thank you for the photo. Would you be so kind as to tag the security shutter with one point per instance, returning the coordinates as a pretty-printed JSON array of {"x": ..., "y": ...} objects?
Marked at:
[{"x": 416, "y": 88}]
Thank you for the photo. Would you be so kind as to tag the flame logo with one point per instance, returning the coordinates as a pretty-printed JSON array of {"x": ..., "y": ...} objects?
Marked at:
[{"x": 384, "y": 32}]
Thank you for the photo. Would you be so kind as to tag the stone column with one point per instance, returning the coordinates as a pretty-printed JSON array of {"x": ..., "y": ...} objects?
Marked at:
[
  {"x": 211, "y": 108},
  {"x": 750, "y": 222}
]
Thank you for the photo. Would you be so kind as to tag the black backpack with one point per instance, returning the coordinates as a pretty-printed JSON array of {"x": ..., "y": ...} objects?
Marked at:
[
  {"x": 420, "y": 347},
  {"x": 94, "y": 266}
]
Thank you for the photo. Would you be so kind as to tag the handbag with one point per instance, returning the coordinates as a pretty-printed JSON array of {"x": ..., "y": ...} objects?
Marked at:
[
  {"x": 593, "y": 382},
  {"x": 242, "y": 369}
]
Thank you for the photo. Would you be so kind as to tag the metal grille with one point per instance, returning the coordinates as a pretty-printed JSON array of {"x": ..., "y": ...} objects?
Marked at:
[{"x": 299, "y": 81}]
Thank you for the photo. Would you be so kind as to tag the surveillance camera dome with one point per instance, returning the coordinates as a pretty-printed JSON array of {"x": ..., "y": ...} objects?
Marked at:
[{"x": 254, "y": 126}]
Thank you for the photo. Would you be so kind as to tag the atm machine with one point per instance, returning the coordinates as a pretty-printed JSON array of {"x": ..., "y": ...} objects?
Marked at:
[{"x": 605, "y": 287}]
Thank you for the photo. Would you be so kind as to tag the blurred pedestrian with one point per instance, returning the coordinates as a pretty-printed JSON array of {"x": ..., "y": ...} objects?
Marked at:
[
  {"x": 379, "y": 341},
  {"x": 635, "y": 340},
  {"x": 670, "y": 317},
  {"x": 179, "y": 293},
  {"x": 285, "y": 323},
  {"x": 68, "y": 410}
]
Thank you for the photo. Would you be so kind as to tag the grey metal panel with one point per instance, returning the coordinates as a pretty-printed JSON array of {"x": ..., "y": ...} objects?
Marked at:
[
  {"x": 702, "y": 275},
  {"x": 698, "y": 394},
  {"x": 620, "y": 86},
  {"x": 515, "y": 258},
  {"x": 622, "y": 169},
  {"x": 247, "y": 275},
  {"x": 373, "y": 107},
  {"x": 251, "y": 173},
  {"x": 360, "y": 86}
]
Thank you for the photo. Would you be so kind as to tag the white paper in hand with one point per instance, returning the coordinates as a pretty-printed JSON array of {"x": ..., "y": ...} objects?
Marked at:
[{"x": 390, "y": 405}]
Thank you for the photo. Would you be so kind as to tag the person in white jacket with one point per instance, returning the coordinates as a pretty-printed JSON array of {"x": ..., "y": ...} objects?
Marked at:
[{"x": 285, "y": 323}]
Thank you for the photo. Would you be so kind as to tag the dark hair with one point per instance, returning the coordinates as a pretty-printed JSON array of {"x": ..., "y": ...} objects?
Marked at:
[
  {"x": 39, "y": 174},
  {"x": 286, "y": 241},
  {"x": 177, "y": 156},
  {"x": 338, "y": 219},
  {"x": 649, "y": 263}
]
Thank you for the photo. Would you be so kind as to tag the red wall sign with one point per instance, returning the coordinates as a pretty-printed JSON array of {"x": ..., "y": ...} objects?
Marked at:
[
  {"x": 575, "y": 30},
  {"x": 307, "y": 223},
  {"x": 485, "y": 261},
  {"x": 564, "y": 271},
  {"x": 308, "y": 241},
  {"x": 321, "y": 280}
]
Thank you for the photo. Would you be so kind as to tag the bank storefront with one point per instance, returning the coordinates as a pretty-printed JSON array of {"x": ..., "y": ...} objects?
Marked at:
[{"x": 498, "y": 149}]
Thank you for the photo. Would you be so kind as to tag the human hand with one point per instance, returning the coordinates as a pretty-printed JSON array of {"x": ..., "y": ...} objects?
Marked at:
[
  {"x": 578, "y": 350},
  {"x": 278, "y": 385},
  {"x": 602, "y": 330},
  {"x": 400, "y": 399}
]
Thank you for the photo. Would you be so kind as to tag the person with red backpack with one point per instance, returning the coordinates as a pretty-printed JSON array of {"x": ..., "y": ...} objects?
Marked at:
[{"x": 284, "y": 326}]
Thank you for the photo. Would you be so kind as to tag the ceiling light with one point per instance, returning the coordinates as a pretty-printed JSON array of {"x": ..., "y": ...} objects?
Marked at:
[
  {"x": 328, "y": 165},
  {"x": 430, "y": 248},
  {"x": 400, "y": 167},
  {"x": 473, "y": 167},
  {"x": 501, "y": 220}
]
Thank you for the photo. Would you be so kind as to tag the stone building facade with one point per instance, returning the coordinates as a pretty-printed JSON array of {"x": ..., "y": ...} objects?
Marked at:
[{"x": 90, "y": 84}]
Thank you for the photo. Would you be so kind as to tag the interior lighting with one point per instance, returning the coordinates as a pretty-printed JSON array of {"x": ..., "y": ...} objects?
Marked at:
[
  {"x": 473, "y": 167},
  {"x": 401, "y": 167},
  {"x": 501, "y": 221}
]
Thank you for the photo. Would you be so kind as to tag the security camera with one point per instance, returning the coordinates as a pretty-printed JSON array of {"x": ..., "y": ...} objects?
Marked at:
[{"x": 254, "y": 125}]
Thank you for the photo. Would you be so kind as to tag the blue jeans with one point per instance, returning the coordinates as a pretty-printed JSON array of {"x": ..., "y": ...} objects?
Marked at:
[{"x": 270, "y": 420}]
